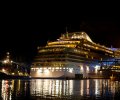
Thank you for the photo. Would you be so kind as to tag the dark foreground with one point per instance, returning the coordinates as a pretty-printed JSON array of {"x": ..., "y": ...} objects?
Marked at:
[{"x": 54, "y": 89}]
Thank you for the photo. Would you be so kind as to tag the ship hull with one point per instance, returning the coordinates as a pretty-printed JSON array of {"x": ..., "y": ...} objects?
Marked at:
[{"x": 55, "y": 74}]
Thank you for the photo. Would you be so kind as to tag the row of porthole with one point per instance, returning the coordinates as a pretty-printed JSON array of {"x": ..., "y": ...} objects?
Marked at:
[{"x": 54, "y": 70}]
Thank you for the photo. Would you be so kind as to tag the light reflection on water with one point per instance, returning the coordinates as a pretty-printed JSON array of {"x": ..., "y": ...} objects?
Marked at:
[{"x": 37, "y": 89}]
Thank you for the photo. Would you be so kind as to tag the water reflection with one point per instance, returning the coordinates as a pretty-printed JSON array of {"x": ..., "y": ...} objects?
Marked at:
[
  {"x": 35, "y": 89},
  {"x": 11, "y": 89},
  {"x": 51, "y": 88}
]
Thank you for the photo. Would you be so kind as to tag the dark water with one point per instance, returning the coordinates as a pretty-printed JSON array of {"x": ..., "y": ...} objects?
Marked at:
[{"x": 52, "y": 89}]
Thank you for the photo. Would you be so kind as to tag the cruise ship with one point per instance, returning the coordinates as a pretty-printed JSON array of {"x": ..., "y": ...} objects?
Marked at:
[{"x": 70, "y": 56}]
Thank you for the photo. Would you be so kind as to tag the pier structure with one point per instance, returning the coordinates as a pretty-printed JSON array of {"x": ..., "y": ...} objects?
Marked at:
[
  {"x": 12, "y": 68},
  {"x": 110, "y": 68}
]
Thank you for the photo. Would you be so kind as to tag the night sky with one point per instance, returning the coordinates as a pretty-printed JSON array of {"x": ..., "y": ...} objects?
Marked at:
[{"x": 22, "y": 29}]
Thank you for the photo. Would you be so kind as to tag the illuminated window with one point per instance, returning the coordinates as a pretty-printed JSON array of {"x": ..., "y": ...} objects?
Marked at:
[{"x": 86, "y": 56}]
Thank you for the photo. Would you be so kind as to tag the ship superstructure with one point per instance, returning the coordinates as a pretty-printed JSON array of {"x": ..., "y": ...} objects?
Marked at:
[{"x": 70, "y": 55}]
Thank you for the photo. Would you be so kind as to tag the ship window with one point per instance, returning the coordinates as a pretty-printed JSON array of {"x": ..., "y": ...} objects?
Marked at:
[
  {"x": 91, "y": 57},
  {"x": 86, "y": 56},
  {"x": 52, "y": 70},
  {"x": 57, "y": 67}
]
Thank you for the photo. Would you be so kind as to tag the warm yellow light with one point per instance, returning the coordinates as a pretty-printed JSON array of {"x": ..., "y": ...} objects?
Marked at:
[
  {"x": 97, "y": 67},
  {"x": 96, "y": 47},
  {"x": 88, "y": 68},
  {"x": 13, "y": 73},
  {"x": 49, "y": 67},
  {"x": 70, "y": 70},
  {"x": 39, "y": 71},
  {"x": 3, "y": 70},
  {"x": 57, "y": 67},
  {"x": 5, "y": 61},
  {"x": 81, "y": 68},
  {"x": 52, "y": 70},
  {"x": 46, "y": 71}
]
